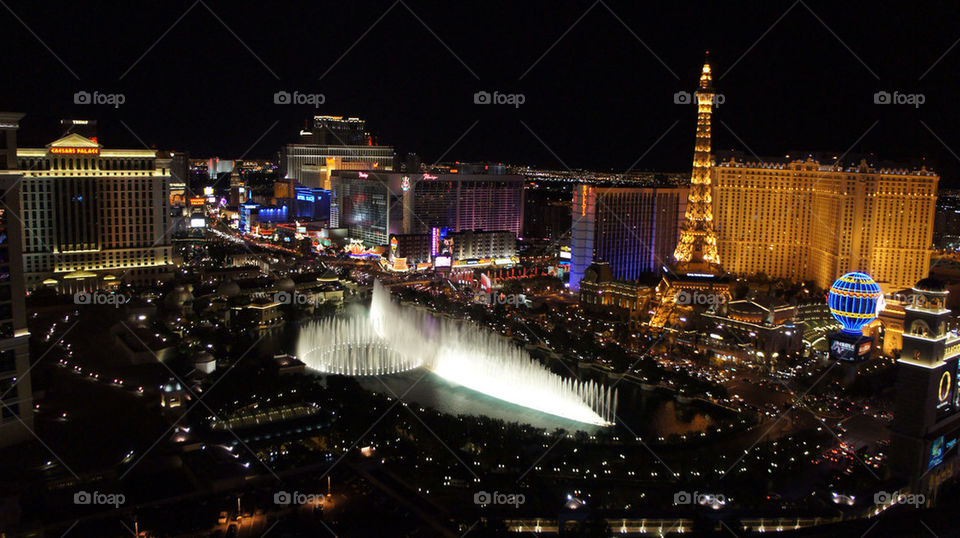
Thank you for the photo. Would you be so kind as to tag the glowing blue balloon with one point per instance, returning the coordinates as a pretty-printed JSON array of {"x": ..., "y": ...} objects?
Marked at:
[{"x": 855, "y": 300}]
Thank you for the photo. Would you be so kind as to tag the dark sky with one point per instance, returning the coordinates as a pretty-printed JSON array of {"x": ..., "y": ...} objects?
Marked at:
[{"x": 801, "y": 75}]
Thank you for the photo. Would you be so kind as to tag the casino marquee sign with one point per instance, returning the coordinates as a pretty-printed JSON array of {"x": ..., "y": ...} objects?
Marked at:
[
  {"x": 74, "y": 144},
  {"x": 75, "y": 151}
]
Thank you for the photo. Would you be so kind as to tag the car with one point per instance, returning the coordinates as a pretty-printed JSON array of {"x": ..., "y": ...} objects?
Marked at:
[{"x": 223, "y": 518}]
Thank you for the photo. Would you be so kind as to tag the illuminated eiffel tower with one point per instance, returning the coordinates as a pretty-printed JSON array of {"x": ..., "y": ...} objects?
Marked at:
[
  {"x": 696, "y": 266},
  {"x": 697, "y": 248}
]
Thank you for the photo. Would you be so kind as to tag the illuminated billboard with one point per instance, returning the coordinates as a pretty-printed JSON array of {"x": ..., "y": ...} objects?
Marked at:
[
  {"x": 941, "y": 449},
  {"x": 849, "y": 347}
]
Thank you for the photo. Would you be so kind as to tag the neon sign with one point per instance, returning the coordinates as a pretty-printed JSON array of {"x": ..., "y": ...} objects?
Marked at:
[
  {"x": 944, "y": 389},
  {"x": 75, "y": 151}
]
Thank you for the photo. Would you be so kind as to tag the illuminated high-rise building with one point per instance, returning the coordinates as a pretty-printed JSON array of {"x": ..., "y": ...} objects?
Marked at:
[
  {"x": 336, "y": 131},
  {"x": 633, "y": 229},
  {"x": 94, "y": 216},
  {"x": 375, "y": 205},
  {"x": 802, "y": 219},
  {"x": 333, "y": 143}
]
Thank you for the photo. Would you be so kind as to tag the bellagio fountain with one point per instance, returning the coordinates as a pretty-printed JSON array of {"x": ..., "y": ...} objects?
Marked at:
[{"x": 392, "y": 339}]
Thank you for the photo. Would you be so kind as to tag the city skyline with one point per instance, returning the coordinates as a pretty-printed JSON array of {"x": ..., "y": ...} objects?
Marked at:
[
  {"x": 423, "y": 269},
  {"x": 764, "y": 61}
]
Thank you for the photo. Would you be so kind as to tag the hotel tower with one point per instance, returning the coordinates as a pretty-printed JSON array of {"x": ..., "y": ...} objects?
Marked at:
[{"x": 94, "y": 216}]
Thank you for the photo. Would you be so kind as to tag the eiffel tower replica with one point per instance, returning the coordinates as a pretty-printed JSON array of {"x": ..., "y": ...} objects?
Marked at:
[{"x": 696, "y": 263}]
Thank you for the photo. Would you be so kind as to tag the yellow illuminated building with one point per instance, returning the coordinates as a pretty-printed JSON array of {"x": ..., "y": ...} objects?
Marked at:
[
  {"x": 804, "y": 220},
  {"x": 92, "y": 216}
]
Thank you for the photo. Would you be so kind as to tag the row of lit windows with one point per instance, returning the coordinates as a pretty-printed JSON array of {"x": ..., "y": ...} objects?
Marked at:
[{"x": 81, "y": 163}]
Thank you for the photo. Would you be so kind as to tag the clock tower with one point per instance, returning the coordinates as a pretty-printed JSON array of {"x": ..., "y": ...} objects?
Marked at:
[{"x": 926, "y": 422}]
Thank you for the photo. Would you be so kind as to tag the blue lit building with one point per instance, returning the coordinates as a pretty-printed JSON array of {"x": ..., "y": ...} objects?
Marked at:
[
  {"x": 273, "y": 213},
  {"x": 634, "y": 229},
  {"x": 248, "y": 216},
  {"x": 311, "y": 204}
]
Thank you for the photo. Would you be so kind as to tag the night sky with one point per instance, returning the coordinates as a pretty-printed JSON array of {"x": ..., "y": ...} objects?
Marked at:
[{"x": 594, "y": 92}]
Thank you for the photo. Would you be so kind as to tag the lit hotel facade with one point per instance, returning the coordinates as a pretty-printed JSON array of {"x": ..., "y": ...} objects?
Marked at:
[
  {"x": 803, "y": 220},
  {"x": 375, "y": 205},
  {"x": 633, "y": 229},
  {"x": 333, "y": 143},
  {"x": 94, "y": 216},
  {"x": 311, "y": 165}
]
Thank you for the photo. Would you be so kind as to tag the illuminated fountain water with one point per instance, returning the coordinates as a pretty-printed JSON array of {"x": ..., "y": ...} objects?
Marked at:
[
  {"x": 351, "y": 346},
  {"x": 394, "y": 339}
]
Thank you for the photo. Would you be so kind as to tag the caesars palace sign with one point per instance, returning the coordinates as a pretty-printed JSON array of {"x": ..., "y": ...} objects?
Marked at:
[{"x": 75, "y": 151}]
